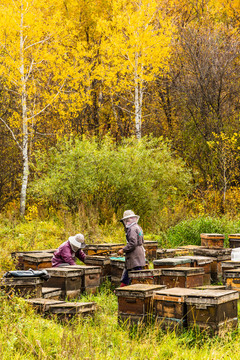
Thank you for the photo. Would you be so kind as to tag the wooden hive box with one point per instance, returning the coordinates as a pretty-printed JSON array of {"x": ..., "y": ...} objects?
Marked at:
[
  {"x": 37, "y": 261},
  {"x": 234, "y": 240},
  {"x": 146, "y": 276},
  {"x": 184, "y": 277},
  {"x": 171, "y": 262},
  {"x": 23, "y": 286},
  {"x": 91, "y": 277},
  {"x": 103, "y": 262},
  {"x": 170, "y": 307},
  {"x": 232, "y": 279},
  {"x": 67, "y": 310},
  {"x": 103, "y": 249},
  {"x": 42, "y": 305},
  {"x": 189, "y": 249},
  {"x": 68, "y": 279},
  {"x": 203, "y": 262},
  {"x": 52, "y": 293},
  {"x": 18, "y": 256},
  {"x": 135, "y": 302},
  {"x": 151, "y": 249},
  {"x": 218, "y": 255},
  {"x": 166, "y": 253},
  {"x": 214, "y": 310},
  {"x": 212, "y": 240},
  {"x": 117, "y": 266},
  {"x": 229, "y": 265}
]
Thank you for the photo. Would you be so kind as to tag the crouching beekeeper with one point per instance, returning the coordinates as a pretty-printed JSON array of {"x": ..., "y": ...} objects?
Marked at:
[
  {"x": 134, "y": 250},
  {"x": 69, "y": 250}
]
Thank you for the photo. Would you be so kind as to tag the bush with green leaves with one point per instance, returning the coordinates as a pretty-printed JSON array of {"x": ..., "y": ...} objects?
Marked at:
[{"x": 140, "y": 175}]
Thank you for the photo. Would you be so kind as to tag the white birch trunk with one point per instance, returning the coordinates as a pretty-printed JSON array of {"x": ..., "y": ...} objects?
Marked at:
[
  {"x": 138, "y": 96},
  {"x": 24, "y": 124}
]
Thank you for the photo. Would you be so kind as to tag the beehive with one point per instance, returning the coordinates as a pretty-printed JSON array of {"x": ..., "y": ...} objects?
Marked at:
[
  {"x": 184, "y": 277},
  {"x": 218, "y": 255},
  {"x": 189, "y": 249},
  {"x": 171, "y": 262},
  {"x": 18, "y": 256},
  {"x": 203, "y": 262},
  {"x": 103, "y": 262},
  {"x": 135, "y": 302},
  {"x": 229, "y": 265},
  {"x": 213, "y": 310},
  {"x": 232, "y": 279},
  {"x": 23, "y": 286},
  {"x": 146, "y": 276},
  {"x": 234, "y": 240},
  {"x": 170, "y": 307},
  {"x": 212, "y": 240},
  {"x": 67, "y": 310},
  {"x": 37, "y": 261},
  {"x": 151, "y": 249},
  {"x": 68, "y": 279},
  {"x": 52, "y": 293},
  {"x": 117, "y": 266},
  {"x": 91, "y": 277},
  {"x": 103, "y": 249},
  {"x": 42, "y": 305}
]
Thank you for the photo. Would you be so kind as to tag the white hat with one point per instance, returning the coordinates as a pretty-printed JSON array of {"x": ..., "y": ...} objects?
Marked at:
[
  {"x": 77, "y": 241},
  {"x": 128, "y": 214}
]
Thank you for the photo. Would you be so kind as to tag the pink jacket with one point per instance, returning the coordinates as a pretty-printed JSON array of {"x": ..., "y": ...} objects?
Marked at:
[{"x": 65, "y": 254}]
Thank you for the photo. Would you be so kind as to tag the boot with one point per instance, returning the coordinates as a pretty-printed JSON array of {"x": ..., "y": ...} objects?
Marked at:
[{"x": 122, "y": 284}]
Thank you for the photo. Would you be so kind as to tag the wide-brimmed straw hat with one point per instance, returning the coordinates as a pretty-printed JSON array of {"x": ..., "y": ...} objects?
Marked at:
[
  {"x": 128, "y": 214},
  {"x": 77, "y": 241}
]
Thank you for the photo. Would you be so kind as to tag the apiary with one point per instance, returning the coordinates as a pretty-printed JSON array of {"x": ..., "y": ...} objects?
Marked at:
[
  {"x": 184, "y": 277},
  {"x": 23, "y": 286},
  {"x": 103, "y": 249},
  {"x": 203, "y": 262},
  {"x": 171, "y": 262},
  {"x": 68, "y": 279},
  {"x": 52, "y": 293},
  {"x": 103, "y": 262},
  {"x": 151, "y": 249},
  {"x": 232, "y": 279},
  {"x": 212, "y": 240},
  {"x": 170, "y": 307},
  {"x": 234, "y": 240},
  {"x": 18, "y": 256},
  {"x": 218, "y": 255},
  {"x": 91, "y": 277},
  {"x": 213, "y": 310},
  {"x": 146, "y": 276},
  {"x": 135, "y": 302},
  {"x": 37, "y": 261}
]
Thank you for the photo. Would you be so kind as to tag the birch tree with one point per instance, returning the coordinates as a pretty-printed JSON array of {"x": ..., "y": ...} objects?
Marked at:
[
  {"x": 135, "y": 47},
  {"x": 31, "y": 69}
]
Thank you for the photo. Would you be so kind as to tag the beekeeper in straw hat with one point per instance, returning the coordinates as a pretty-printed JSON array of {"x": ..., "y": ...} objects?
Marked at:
[
  {"x": 134, "y": 250},
  {"x": 69, "y": 250}
]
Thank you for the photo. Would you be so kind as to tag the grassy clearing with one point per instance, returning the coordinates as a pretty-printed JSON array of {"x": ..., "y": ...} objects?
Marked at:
[{"x": 25, "y": 335}]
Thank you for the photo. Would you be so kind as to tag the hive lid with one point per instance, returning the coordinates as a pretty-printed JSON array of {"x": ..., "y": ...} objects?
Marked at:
[
  {"x": 117, "y": 258},
  {"x": 67, "y": 271},
  {"x": 39, "y": 256},
  {"x": 232, "y": 272},
  {"x": 215, "y": 252},
  {"x": 87, "y": 269},
  {"x": 182, "y": 271},
  {"x": 214, "y": 236},
  {"x": 138, "y": 290},
  {"x": 171, "y": 261},
  {"x": 178, "y": 292},
  {"x": 21, "y": 281},
  {"x": 104, "y": 246},
  {"x": 72, "y": 307},
  {"x": 98, "y": 259},
  {"x": 234, "y": 236},
  {"x": 212, "y": 297},
  {"x": 43, "y": 302},
  {"x": 200, "y": 260},
  {"x": 144, "y": 273},
  {"x": 150, "y": 242}
]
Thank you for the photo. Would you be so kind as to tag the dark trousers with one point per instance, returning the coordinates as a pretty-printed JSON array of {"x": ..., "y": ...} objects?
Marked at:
[{"x": 125, "y": 278}]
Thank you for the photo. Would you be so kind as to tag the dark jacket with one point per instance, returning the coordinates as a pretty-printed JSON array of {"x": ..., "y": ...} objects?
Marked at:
[
  {"x": 65, "y": 254},
  {"x": 134, "y": 250}
]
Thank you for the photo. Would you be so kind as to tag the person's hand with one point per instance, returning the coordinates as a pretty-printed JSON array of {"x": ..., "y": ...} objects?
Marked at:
[{"x": 120, "y": 252}]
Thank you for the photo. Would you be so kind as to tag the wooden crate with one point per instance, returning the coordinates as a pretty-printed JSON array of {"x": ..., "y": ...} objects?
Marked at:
[
  {"x": 151, "y": 249},
  {"x": 218, "y": 255},
  {"x": 212, "y": 240},
  {"x": 170, "y": 307},
  {"x": 171, "y": 262},
  {"x": 37, "y": 261},
  {"x": 18, "y": 256},
  {"x": 52, "y": 293},
  {"x": 234, "y": 240},
  {"x": 68, "y": 279},
  {"x": 183, "y": 277},
  {"x": 213, "y": 310},
  {"x": 103, "y": 262},
  {"x": 147, "y": 276},
  {"x": 67, "y": 310},
  {"x": 42, "y": 305},
  {"x": 91, "y": 277},
  {"x": 23, "y": 286},
  {"x": 135, "y": 302},
  {"x": 103, "y": 249},
  {"x": 232, "y": 279},
  {"x": 203, "y": 262}
]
